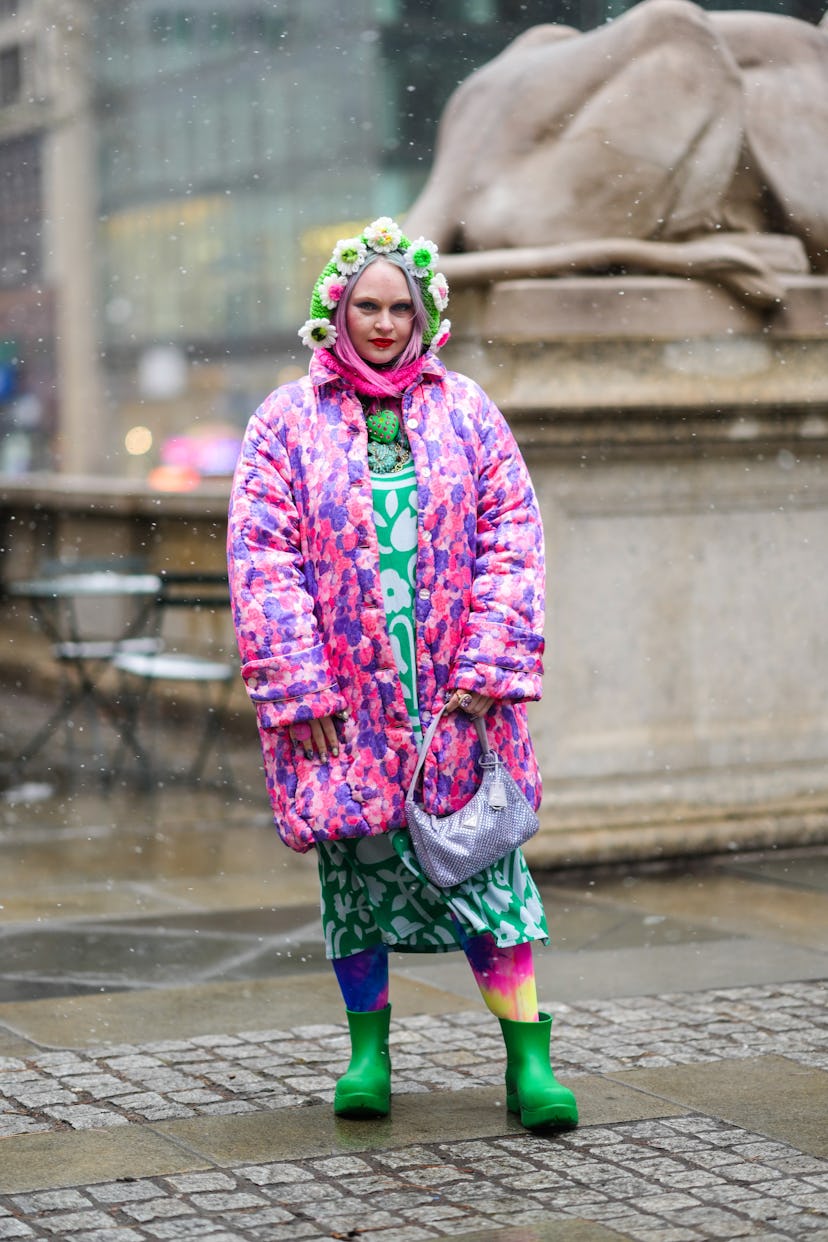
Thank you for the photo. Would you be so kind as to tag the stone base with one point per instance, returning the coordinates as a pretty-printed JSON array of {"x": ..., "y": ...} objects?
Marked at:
[
  {"x": 545, "y": 349},
  {"x": 678, "y": 445}
]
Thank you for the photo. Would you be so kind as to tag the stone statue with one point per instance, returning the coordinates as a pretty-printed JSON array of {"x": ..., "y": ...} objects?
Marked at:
[{"x": 671, "y": 140}]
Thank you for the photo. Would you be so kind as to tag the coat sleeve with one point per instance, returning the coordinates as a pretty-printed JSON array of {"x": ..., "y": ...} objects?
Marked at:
[
  {"x": 501, "y": 650},
  {"x": 284, "y": 663}
]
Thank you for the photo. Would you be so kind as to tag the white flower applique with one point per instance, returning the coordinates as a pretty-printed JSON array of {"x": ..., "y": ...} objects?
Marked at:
[
  {"x": 317, "y": 333},
  {"x": 383, "y": 235},
  {"x": 404, "y": 530},
  {"x": 396, "y": 591}
]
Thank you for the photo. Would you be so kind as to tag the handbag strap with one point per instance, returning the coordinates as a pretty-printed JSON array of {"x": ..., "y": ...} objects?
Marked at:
[{"x": 480, "y": 726}]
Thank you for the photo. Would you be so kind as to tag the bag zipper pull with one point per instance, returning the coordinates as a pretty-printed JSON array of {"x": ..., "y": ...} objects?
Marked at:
[{"x": 497, "y": 792}]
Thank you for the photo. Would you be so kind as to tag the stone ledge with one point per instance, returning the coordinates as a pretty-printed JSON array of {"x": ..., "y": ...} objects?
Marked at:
[
  {"x": 602, "y": 837},
  {"x": 711, "y": 375},
  {"x": 98, "y": 495},
  {"x": 634, "y": 308}
]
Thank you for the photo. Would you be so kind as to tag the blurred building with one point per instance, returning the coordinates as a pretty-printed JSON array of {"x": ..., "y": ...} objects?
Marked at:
[{"x": 172, "y": 176}]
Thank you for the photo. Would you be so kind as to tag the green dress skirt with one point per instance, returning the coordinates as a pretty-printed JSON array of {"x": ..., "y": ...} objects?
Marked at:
[{"x": 373, "y": 889}]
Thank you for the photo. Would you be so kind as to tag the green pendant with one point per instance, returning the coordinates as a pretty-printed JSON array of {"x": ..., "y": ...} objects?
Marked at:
[{"x": 383, "y": 426}]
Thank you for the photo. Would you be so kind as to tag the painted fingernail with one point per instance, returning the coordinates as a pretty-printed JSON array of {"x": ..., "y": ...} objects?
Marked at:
[
  {"x": 308, "y": 752},
  {"x": 335, "y": 752}
]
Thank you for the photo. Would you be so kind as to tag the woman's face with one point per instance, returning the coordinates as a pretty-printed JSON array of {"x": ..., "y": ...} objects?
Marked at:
[{"x": 380, "y": 314}]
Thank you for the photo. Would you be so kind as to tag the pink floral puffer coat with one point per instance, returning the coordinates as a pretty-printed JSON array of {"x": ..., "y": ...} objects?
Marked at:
[{"x": 308, "y": 605}]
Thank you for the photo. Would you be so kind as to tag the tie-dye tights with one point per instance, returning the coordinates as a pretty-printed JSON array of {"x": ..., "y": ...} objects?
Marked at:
[{"x": 506, "y": 977}]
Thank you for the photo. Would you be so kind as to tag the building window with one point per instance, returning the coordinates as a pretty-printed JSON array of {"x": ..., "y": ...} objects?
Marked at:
[
  {"x": 20, "y": 211},
  {"x": 11, "y": 75}
]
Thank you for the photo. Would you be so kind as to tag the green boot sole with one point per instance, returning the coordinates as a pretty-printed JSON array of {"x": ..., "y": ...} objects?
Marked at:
[
  {"x": 532, "y": 1090},
  {"x": 364, "y": 1090}
]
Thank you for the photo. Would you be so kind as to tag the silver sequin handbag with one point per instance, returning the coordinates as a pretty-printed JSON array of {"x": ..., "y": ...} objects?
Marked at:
[{"x": 498, "y": 819}]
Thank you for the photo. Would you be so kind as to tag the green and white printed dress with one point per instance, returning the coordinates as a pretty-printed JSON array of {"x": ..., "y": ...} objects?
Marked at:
[{"x": 373, "y": 889}]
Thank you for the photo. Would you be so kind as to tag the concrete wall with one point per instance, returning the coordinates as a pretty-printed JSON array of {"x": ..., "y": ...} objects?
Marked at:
[{"x": 678, "y": 445}]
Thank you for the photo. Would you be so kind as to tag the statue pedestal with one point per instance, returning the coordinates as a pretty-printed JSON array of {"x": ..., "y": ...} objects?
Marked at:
[{"x": 679, "y": 446}]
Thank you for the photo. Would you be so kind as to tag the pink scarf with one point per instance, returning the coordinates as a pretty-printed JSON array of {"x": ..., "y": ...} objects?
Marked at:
[{"x": 400, "y": 379}]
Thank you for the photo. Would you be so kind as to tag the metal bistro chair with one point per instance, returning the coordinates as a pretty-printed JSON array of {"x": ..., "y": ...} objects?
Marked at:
[
  {"x": 91, "y": 609},
  {"x": 204, "y": 594}
]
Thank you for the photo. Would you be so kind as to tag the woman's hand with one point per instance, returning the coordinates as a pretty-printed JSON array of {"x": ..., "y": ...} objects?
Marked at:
[
  {"x": 469, "y": 702},
  {"x": 317, "y": 736}
]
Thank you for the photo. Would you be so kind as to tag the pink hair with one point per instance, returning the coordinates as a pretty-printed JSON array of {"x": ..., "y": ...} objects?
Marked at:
[{"x": 344, "y": 347}]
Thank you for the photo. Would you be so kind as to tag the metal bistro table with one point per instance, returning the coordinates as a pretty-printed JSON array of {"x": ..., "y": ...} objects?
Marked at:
[
  {"x": 82, "y": 653},
  {"x": 205, "y": 595}
]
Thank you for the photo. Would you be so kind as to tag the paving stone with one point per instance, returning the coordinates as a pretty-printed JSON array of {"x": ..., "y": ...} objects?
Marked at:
[
  {"x": 40, "y": 1094},
  {"x": 100, "y": 1086},
  {"x": 125, "y": 1191},
  {"x": 660, "y": 1234},
  {"x": 762, "y": 1208},
  {"x": 195, "y": 1183},
  {"x": 51, "y": 1200},
  {"x": 152, "y": 1209},
  {"x": 305, "y": 1193},
  {"x": 226, "y": 1108},
  {"x": 10, "y": 1228},
  {"x": 186, "y": 1227},
  {"x": 665, "y": 1202},
  {"x": 134, "y": 1063},
  {"x": 117, "y": 1233},
  {"x": 402, "y": 1233},
  {"x": 268, "y": 1217},
  {"x": 742, "y": 1172},
  {"x": 85, "y": 1117},
  {"x": 73, "y": 1222},
  {"x": 407, "y": 1202},
  {"x": 15, "y": 1124},
  {"x": 305, "y": 1230},
  {"x": 222, "y": 1202},
  {"x": 811, "y": 1202},
  {"x": 430, "y": 1211},
  {"x": 341, "y": 1166},
  {"x": 270, "y": 1174}
]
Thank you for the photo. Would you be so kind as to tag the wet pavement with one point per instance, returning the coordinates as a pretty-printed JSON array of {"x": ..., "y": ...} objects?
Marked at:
[{"x": 170, "y": 1036}]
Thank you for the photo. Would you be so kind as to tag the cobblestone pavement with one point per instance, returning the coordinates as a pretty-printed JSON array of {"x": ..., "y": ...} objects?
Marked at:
[
  {"x": 659, "y": 1181},
  {"x": 666, "y": 1179},
  {"x": 257, "y": 1070}
]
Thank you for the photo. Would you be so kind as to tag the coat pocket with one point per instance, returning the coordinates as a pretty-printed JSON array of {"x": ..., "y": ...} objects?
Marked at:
[{"x": 323, "y": 795}]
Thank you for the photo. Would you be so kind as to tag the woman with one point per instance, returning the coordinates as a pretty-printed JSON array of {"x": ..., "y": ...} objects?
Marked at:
[{"x": 386, "y": 561}]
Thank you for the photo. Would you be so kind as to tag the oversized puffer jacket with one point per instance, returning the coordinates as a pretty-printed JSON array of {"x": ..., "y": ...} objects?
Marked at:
[{"x": 308, "y": 605}]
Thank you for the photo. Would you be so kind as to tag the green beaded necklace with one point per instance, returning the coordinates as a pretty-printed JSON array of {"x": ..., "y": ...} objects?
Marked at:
[{"x": 388, "y": 447}]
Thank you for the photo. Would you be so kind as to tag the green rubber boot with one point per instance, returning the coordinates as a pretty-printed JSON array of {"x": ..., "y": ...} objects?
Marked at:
[
  {"x": 532, "y": 1090},
  {"x": 364, "y": 1090}
]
